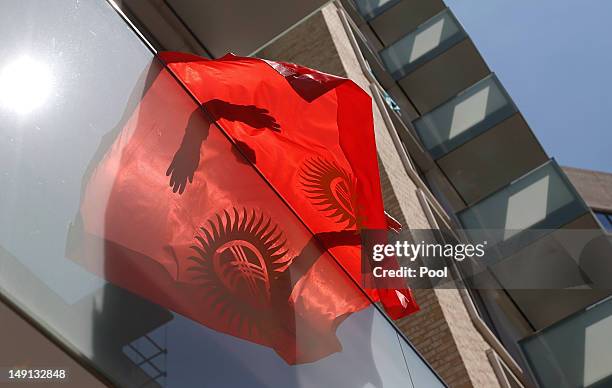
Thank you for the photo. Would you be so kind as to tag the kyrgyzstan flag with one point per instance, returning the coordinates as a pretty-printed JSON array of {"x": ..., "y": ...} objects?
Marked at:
[
  {"x": 230, "y": 223},
  {"x": 311, "y": 135}
]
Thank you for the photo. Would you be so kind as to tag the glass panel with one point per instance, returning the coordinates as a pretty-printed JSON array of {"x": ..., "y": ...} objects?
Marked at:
[
  {"x": 196, "y": 354},
  {"x": 470, "y": 113},
  {"x": 575, "y": 352},
  {"x": 369, "y": 9},
  {"x": 77, "y": 86},
  {"x": 542, "y": 199},
  {"x": 420, "y": 374},
  {"x": 428, "y": 40}
]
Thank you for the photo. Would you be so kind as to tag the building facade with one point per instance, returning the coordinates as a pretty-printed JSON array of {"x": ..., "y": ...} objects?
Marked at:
[{"x": 454, "y": 153}]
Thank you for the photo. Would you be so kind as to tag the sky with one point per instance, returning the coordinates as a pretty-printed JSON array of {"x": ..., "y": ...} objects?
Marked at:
[{"x": 555, "y": 59}]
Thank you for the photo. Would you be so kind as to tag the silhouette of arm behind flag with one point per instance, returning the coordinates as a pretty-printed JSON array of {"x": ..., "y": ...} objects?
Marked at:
[{"x": 186, "y": 160}]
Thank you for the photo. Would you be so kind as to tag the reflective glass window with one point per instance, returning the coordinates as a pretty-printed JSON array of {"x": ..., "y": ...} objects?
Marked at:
[{"x": 76, "y": 82}]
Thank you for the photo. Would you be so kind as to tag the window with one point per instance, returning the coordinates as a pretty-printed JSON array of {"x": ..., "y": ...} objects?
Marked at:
[{"x": 605, "y": 219}]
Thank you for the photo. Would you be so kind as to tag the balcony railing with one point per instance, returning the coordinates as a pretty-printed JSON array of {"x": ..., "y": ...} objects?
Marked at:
[
  {"x": 544, "y": 245},
  {"x": 574, "y": 352},
  {"x": 369, "y": 9},
  {"x": 542, "y": 199},
  {"x": 474, "y": 137},
  {"x": 430, "y": 39},
  {"x": 467, "y": 115}
]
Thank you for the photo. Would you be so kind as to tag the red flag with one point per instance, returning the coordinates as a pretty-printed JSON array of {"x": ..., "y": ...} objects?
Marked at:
[
  {"x": 315, "y": 144},
  {"x": 177, "y": 215},
  {"x": 226, "y": 252}
]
